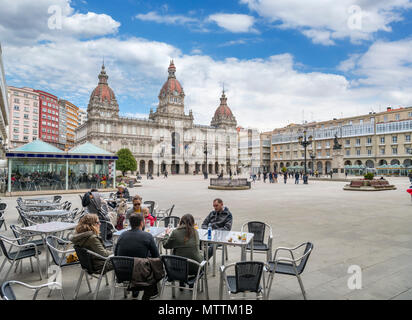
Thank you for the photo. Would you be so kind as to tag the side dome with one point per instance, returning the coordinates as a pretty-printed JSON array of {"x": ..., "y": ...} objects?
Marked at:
[{"x": 223, "y": 115}]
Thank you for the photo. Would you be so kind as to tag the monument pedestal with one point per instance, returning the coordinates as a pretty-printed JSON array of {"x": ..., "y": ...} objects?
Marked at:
[{"x": 338, "y": 167}]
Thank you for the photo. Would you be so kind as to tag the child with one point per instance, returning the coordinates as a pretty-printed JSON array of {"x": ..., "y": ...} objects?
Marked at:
[{"x": 148, "y": 217}]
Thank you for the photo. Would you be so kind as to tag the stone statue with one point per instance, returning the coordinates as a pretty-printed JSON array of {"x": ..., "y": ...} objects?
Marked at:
[{"x": 336, "y": 144}]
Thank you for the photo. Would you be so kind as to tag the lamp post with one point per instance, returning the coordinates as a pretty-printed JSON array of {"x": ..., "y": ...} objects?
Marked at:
[
  {"x": 158, "y": 159},
  {"x": 305, "y": 141},
  {"x": 312, "y": 156},
  {"x": 205, "y": 152}
]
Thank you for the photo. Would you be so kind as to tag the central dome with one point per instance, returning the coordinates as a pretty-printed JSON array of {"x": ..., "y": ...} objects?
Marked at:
[
  {"x": 103, "y": 91},
  {"x": 172, "y": 85}
]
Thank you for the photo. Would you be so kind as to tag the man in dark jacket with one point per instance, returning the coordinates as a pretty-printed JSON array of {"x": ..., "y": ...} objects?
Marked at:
[
  {"x": 220, "y": 219},
  {"x": 139, "y": 244}
]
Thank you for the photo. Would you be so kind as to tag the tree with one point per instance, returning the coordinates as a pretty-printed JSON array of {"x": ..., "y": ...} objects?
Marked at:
[{"x": 126, "y": 161}]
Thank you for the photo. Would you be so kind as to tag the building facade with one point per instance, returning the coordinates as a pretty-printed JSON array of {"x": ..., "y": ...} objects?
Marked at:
[
  {"x": 169, "y": 139},
  {"x": 62, "y": 125},
  {"x": 254, "y": 151},
  {"x": 4, "y": 110},
  {"x": 49, "y": 118},
  {"x": 369, "y": 141},
  {"x": 72, "y": 121},
  {"x": 24, "y": 116},
  {"x": 82, "y": 117}
]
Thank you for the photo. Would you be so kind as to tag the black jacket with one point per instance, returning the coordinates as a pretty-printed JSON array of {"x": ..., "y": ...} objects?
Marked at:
[
  {"x": 219, "y": 220},
  {"x": 136, "y": 243}
]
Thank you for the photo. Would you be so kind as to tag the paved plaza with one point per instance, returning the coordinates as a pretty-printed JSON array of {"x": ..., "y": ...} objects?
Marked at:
[{"x": 369, "y": 229}]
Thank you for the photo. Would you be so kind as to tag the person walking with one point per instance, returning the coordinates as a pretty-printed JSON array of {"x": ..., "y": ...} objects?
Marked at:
[
  {"x": 275, "y": 177},
  {"x": 265, "y": 176},
  {"x": 270, "y": 177},
  {"x": 297, "y": 178},
  {"x": 285, "y": 177}
]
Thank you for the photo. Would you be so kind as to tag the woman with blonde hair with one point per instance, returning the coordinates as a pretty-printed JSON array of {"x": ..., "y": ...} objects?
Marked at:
[{"x": 87, "y": 237}]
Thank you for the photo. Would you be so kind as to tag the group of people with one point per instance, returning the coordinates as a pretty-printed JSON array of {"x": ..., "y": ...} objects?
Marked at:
[{"x": 184, "y": 240}]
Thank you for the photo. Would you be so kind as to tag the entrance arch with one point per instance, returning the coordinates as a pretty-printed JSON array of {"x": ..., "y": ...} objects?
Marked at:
[
  {"x": 370, "y": 164},
  {"x": 186, "y": 167},
  {"x": 142, "y": 167},
  {"x": 348, "y": 163},
  {"x": 151, "y": 165},
  {"x": 382, "y": 162},
  {"x": 407, "y": 162},
  {"x": 216, "y": 167},
  {"x": 319, "y": 167},
  {"x": 395, "y": 162},
  {"x": 328, "y": 166}
]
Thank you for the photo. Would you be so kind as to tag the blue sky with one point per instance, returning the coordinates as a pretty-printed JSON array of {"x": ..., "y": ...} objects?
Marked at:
[{"x": 278, "y": 59}]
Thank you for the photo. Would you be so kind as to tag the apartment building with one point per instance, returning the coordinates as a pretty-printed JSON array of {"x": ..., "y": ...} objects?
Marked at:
[
  {"x": 370, "y": 140},
  {"x": 82, "y": 116},
  {"x": 49, "y": 115},
  {"x": 23, "y": 116},
  {"x": 254, "y": 151},
  {"x": 72, "y": 121}
]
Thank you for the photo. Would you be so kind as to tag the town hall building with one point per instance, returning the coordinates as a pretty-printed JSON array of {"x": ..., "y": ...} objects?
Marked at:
[{"x": 169, "y": 139}]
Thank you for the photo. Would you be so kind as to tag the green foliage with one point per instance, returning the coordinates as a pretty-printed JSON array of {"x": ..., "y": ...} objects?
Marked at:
[
  {"x": 126, "y": 161},
  {"x": 369, "y": 176},
  {"x": 284, "y": 169}
]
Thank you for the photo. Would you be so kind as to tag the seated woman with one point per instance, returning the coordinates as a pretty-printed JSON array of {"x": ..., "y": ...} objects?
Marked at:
[
  {"x": 137, "y": 202},
  {"x": 87, "y": 237},
  {"x": 184, "y": 241}
]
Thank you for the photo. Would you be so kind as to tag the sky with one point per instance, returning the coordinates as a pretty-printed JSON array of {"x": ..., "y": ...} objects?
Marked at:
[{"x": 280, "y": 61}]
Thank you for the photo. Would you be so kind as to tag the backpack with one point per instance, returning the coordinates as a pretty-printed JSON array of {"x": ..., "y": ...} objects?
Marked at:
[{"x": 86, "y": 199}]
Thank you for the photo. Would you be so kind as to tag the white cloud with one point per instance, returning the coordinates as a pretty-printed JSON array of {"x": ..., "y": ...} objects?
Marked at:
[
  {"x": 263, "y": 93},
  {"x": 166, "y": 19},
  {"x": 27, "y": 21},
  {"x": 324, "y": 21},
  {"x": 234, "y": 22}
]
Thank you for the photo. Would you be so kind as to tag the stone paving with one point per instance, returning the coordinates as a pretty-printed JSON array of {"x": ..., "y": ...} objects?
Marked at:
[{"x": 369, "y": 229}]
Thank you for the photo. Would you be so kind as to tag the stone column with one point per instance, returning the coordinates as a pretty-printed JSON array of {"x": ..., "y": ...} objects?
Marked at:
[{"x": 338, "y": 167}]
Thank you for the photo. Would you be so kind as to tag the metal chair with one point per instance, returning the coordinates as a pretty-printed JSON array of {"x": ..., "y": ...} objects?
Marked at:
[
  {"x": 26, "y": 237},
  {"x": 27, "y": 222},
  {"x": 122, "y": 275},
  {"x": 59, "y": 256},
  {"x": 7, "y": 292},
  {"x": 85, "y": 258},
  {"x": 289, "y": 266},
  {"x": 3, "y": 207},
  {"x": 169, "y": 220},
  {"x": 165, "y": 213},
  {"x": 177, "y": 269},
  {"x": 56, "y": 199},
  {"x": 27, "y": 250},
  {"x": 247, "y": 278},
  {"x": 258, "y": 229},
  {"x": 105, "y": 229},
  {"x": 152, "y": 207}
]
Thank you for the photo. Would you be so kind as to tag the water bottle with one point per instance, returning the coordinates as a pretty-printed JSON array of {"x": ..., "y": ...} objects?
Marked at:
[{"x": 209, "y": 232}]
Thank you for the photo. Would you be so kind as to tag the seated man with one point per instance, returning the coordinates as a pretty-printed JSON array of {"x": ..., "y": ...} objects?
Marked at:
[
  {"x": 139, "y": 244},
  {"x": 220, "y": 219}
]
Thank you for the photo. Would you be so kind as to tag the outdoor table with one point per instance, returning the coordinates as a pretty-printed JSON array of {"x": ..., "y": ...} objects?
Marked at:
[
  {"x": 42, "y": 205},
  {"x": 49, "y": 214},
  {"x": 40, "y": 199},
  {"x": 222, "y": 237},
  {"x": 45, "y": 229},
  {"x": 157, "y": 233}
]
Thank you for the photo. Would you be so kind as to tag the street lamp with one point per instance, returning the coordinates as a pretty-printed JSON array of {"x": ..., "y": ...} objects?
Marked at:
[
  {"x": 205, "y": 152},
  {"x": 158, "y": 159},
  {"x": 305, "y": 141},
  {"x": 312, "y": 156}
]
